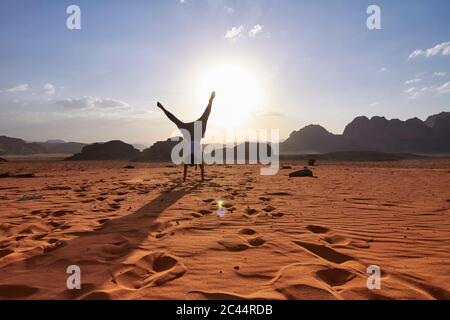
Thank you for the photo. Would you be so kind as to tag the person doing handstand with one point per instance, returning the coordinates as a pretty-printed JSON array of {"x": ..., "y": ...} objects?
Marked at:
[{"x": 195, "y": 155}]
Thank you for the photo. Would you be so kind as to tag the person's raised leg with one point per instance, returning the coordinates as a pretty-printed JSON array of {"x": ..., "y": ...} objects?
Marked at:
[
  {"x": 171, "y": 117},
  {"x": 205, "y": 116}
]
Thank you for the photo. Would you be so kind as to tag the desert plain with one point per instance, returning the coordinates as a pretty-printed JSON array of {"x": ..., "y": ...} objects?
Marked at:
[{"x": 137, "y": 231}]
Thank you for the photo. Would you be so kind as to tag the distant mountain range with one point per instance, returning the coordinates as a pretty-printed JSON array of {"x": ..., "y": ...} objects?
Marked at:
[
  {"x": 372, "y": 136},
  {"x": 375, "y": 134},
  {"x": 21, "y": 147}
]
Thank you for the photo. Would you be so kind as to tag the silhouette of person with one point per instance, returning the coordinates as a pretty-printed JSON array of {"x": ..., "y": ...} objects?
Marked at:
[{"x": 196, "y": 153}]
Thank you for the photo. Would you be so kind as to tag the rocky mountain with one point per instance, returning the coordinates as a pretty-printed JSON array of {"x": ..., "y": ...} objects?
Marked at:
[
  {"x": 17, "y": 146},
  {"x": 64, "y": 147},
  {"x": 158, "y": 152},
  {"x": 375, "y": 134},
  {"x": 314, "y": 139},
  {"x": 112, "y": 150}
]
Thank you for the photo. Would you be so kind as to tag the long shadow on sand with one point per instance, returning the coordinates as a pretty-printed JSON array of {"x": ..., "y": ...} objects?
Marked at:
[{"x": 44, "y": 275}]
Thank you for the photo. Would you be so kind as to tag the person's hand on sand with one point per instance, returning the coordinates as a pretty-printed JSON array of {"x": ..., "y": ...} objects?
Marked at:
[{"x": 213, "y": 95}]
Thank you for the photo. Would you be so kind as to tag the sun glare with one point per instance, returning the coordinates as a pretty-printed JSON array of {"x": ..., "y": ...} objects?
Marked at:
[{"x": 239, "y": 94}]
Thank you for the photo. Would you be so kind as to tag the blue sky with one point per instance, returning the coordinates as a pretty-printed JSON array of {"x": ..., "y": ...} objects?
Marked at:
[{"x": 315, "y": 62}]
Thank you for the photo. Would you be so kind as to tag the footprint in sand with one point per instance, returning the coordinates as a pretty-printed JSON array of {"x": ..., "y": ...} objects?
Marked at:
[
  {"x": 324, "y": 252},
  {"x": 338, "y": 241},
  {"x": 277, "y": 214},
  {"x": 251, "y": 211},
  {"x": 233, "y": 243},
  {"x": 248, "y": 238},
  {"x": 53, "y": 244},
  {"x": 34, "y": 229},
  {"x": 317, "y": 229},
  {"x": 112, "y": 248},
  {"x": 335, "y": 276},
  {"x": 269, "y": 208},
  {"x": 55, "y": 224},
  {"x": 201, "y": 213},
  {"x": 252, "y": 238},
  {"x": 114, "y": 206},
  {"x": 5, "y": 252},
  {"x": 61, "y": 213},
  {"x": 101, "y": 223},
  {"x": 257, "y": 241},
  {"x": 154, "y": 269},
  {"x": 247, "y": 232}
]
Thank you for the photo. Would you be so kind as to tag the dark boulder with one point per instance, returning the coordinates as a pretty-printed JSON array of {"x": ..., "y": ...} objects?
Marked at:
[{"x": 305, "y": 172}]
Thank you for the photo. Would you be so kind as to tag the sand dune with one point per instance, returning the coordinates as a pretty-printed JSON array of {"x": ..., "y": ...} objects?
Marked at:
[{"x": 143, "y": 234}]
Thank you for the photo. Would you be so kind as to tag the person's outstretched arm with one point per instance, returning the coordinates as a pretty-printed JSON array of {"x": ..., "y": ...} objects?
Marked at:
[
  {"x": 205, "y": 115},
  {"x": 169, "y": 115}
]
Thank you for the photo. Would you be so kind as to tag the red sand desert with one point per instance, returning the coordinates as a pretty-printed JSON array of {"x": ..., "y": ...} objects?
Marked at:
[{"x": 144, "y": 234}]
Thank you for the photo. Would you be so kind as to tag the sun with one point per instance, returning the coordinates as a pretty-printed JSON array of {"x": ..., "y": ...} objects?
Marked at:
[{"x": 239, "y": 94}]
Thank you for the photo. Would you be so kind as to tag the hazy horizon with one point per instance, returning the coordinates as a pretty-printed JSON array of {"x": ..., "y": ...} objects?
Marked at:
[
  {"x": 274, "y": 64},
  {"x": 149, "y": 144}
]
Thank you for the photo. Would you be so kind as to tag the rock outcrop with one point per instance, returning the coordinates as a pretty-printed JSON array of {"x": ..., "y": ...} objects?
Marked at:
[{"x": 112, "y": 150}]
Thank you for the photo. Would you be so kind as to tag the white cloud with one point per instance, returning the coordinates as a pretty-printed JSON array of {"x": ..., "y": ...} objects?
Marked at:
[
  {"x": 414, "y": 93},
  {"x": 92, "y": 102},
  {"x": 49, "y": 89},
  {"x": 228, "y": 10},
  {"x": 445, "y": 88},
  {"x": 413, "y": 81},
  {"x": 19, "y": 88},
  {"x": 235, "y": 33},
  {"x": 416, "y": 53},
  {"x": 255, "y": 30},
  {"x": 410, "y": 90},
  {"x": 439, "y": 74},
  {"x": 441, "y": 48}
]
